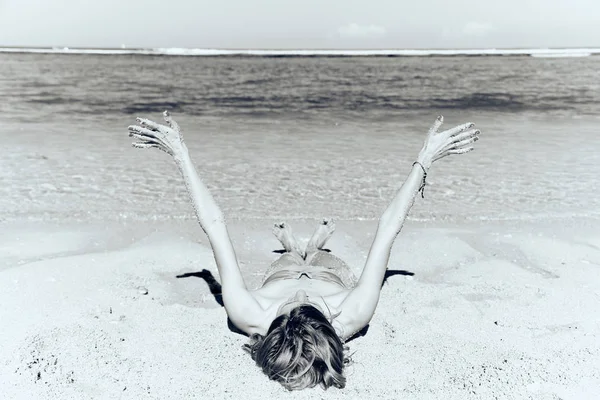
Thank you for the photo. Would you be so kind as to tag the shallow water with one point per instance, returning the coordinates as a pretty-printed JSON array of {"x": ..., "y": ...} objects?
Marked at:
[{"x": 297, "y": 137}]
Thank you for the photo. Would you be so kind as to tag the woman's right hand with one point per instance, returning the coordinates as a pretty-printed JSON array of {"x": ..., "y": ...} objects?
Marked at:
[
  {"x": 452, "y": 141},
  {"x": 166, "y": 138}
]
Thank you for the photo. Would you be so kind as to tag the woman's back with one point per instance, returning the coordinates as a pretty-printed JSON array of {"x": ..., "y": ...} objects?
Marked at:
[
  {"x": 276, "y": 297},
  {"x": 310, "y": 276}
]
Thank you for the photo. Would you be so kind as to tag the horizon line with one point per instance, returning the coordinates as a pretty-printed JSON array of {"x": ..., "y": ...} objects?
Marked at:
[
  {"x": 208, "y": 52},
  {"x": 124, "y": 47}
]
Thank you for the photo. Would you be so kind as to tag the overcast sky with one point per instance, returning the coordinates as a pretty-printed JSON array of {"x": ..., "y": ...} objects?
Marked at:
[{"x": 313, "y": 24}]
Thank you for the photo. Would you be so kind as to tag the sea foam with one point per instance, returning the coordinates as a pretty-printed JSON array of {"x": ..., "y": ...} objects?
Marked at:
[{"x": 576, "y": 52}]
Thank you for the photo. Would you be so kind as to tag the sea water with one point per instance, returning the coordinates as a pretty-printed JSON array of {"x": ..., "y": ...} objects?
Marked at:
[{"x": 297, "y": 137}]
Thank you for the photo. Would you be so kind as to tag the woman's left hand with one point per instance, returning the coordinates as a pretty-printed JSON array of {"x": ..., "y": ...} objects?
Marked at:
[{"x": 166, "y": 138}]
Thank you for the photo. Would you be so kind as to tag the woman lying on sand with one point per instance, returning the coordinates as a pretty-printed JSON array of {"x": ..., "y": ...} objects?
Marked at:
[{"x": 310, "y": 303}]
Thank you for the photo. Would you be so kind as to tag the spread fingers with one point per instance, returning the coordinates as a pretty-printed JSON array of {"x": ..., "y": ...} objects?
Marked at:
[
  {"x": 138, "y": 130},
  {"x": 151, "y": 125},
  {"x": 466, "y": 135},
  {"x": 458, "y": 129}
]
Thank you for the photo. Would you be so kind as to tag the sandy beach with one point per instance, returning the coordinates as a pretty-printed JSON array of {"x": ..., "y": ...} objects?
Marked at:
[{"x": 502, "y": 309}]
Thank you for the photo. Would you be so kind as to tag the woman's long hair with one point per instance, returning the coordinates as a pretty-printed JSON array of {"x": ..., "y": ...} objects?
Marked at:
[{"x": 300, "y": 350}]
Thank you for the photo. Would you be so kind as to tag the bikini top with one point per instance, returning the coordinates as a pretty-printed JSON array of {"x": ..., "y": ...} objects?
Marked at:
[{"x": 311, "y": 272}]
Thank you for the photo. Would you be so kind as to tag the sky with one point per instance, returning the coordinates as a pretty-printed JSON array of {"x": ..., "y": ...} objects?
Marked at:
[{"x": 301, "y": 24}]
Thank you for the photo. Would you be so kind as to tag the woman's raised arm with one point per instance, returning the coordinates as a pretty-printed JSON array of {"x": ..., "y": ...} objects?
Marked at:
[
  {"x": 241, "y": 307},
  {"x": 359, "y": 306}
]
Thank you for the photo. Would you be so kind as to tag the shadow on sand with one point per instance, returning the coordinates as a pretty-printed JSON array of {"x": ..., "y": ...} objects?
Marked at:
[
  {"x": 393, "y": 272},
  {"x": 213, "y": 285},
  {"x": 215, "y": 289}
]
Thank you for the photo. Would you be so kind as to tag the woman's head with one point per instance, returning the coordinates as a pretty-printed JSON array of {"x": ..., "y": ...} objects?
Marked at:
[{"x": 301, "y": 349}]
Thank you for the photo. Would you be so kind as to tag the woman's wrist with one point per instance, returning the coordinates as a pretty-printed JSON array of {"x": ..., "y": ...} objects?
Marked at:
[
  {"x": 421, "y": 166},
  {"x": 182, "y": 157},
  {"x": 425, "y": 162}
]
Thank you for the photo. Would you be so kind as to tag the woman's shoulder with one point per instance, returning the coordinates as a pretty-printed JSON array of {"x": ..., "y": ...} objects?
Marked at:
[{"x": 283, "y": 289}]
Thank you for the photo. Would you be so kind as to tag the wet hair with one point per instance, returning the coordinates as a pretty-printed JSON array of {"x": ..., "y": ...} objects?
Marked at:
[{"x": 301, "y": 349}]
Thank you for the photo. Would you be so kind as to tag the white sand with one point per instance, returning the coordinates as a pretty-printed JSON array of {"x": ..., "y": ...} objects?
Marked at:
[{"x": 497, "y": 310}]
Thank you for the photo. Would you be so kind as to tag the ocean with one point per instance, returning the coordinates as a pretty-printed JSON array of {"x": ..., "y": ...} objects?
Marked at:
[{"x": 297, "y": 137}]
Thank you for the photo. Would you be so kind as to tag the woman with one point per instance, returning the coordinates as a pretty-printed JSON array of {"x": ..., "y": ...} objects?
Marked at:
[{"x": 310, "y": 303}]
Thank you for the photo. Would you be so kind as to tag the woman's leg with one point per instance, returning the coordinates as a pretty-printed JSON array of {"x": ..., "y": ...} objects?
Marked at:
[
  {"x": 293, "y": 254},
  {"x": 315, "y": 255},
  {"x": 321, "y": 236},
  {"x": 291, "y": 258},
  {"x": 335, "y": 265}
]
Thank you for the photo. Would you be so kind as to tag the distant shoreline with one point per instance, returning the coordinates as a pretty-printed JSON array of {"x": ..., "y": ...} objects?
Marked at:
[{"x": 558, "y": 52}]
